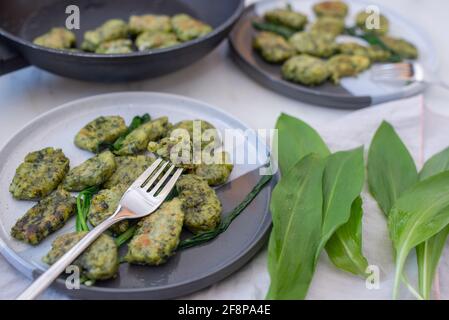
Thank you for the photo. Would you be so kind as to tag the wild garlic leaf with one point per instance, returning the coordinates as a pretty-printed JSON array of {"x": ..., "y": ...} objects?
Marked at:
[
  {"x": 429, "y": 252},
  {"x": 296, "y": 139},
  {"x": 419, "y": 214},
  {"x": 436, "y": 164},
  {"x": 344, "y": 248},
  {"x": 343, "y": 179},
  {"x": 391, "y": 169},
  {"x": 296, "y": 208},
  {"x": 428, "y": 256}
]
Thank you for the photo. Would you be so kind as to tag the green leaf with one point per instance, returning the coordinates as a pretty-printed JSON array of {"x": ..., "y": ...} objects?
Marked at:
[
  {"x": 391, "y": 169},
  {"x": 83, "y": 201},
  {"x": 275, "y": 28},
  {"x": 428, "y": 256},
  {"x": 419, "y": 214},
  {"x": 344, "y": 248},
  {"x": 296, "y": 139},
  {"x": 296, "y": 208},
  {"x": 436, "y": 164},
  {"x": 125, "y": 236},
  {"x": 374, "y": 40},
  {"x": 207, "y": 236},
  {"x": 428, "y": 253},
  {"x": 343, "y": 178},
  {"x": 136, "y": 122}
]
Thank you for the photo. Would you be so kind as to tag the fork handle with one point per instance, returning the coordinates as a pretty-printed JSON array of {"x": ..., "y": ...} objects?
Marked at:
[{"x": 46, "y": 279}]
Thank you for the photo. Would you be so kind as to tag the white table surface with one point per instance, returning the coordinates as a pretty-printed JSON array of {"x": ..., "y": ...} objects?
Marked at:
[{"x": 30, "y": 92}]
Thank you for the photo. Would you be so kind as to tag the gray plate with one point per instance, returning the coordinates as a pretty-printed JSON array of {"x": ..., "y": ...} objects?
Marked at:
[
  {"x": 187, "y": 271},
  {"x": 352, "y": 93}
]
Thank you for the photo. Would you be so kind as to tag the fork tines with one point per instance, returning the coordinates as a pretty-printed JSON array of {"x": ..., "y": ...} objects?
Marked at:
[
  {"x": 153, "y": 179},
  {"x": 393, "y": 71}
]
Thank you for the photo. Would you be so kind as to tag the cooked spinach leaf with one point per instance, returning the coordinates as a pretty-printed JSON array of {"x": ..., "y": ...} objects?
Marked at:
[
  {"x": 296, "y": 208},
  {"x": 125, "y": 236},
  {"x": 374, "y": 40},
  {"x": 275, "y": 28},
  {"x": 136, "y": 122},
  {"x": 82, "y": 207}
]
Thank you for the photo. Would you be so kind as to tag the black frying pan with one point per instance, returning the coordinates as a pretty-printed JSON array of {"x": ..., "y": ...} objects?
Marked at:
[{"x": 23, "y": 20}]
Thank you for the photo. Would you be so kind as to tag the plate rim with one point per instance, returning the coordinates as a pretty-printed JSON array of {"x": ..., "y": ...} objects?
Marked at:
[{"x": 189, "y": 286}]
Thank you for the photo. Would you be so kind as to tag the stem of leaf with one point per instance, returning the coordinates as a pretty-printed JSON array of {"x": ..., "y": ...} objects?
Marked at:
[
  {"x": 125, "y": 236},
  {"x": 81, "y": 224},
  {"x": 424, "y": 290},
  {"x": 400, "y": 261},
  {"x": 397, "y": 277},
  {"x": 82, "y": 207}
]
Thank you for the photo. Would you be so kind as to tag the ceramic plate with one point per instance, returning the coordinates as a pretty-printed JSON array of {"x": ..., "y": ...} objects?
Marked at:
[
  {"x": 187, "y": 271},
  {"x": 352, "y": 93}
]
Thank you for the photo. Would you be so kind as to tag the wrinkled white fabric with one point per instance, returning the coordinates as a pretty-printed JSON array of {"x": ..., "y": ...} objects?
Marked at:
[{"x": 424, "y": 134}]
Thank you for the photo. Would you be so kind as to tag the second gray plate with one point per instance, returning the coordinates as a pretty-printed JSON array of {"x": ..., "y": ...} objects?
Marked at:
[{"x": 352, "y": 93}]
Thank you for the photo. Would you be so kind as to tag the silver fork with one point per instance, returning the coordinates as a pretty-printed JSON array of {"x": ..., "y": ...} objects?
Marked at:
[
  {"x": 405, "y": 71},
  {"x": 140, "y": 200}
]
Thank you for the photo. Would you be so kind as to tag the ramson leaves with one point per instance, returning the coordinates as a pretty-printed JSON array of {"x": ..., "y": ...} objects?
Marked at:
[
  {"x": 296, "y": 139},
  {"x": 311, "y": 209},
  {"x": 428, "y": 253},
  {"x": 296, "y": 208},
  {"x": 391, "y": 169},
  {"x": 344, "y": 248},
  {"x": 342, "y": 183},
  {"x": 343, "y": 180},
  {"x": 419, "y": 214}
]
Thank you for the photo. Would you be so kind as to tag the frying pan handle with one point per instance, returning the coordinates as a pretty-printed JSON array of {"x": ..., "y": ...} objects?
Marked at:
[{"x": 10, "y": 60}]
